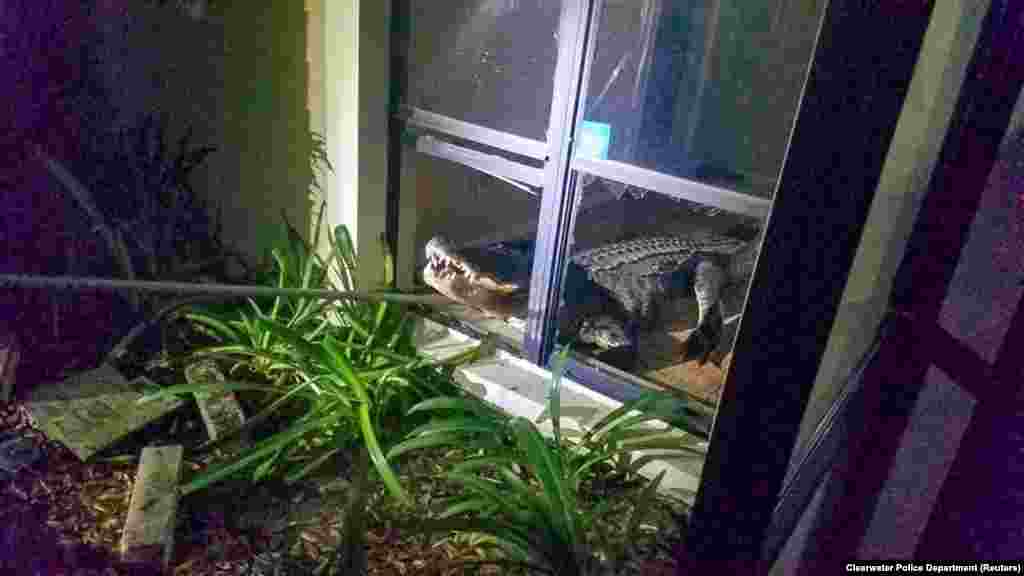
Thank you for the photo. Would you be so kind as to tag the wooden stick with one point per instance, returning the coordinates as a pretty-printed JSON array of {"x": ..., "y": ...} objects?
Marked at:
[{"x": 226, "y": 290}]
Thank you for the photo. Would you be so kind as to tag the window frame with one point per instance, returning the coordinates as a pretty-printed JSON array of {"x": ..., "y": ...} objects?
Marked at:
[
  {"x": 971, "y": 147},
  {"x": 796, "y": 290},
  {"x": 868, "y": 117}
]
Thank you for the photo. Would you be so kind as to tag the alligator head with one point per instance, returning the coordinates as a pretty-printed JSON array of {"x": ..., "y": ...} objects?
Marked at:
[
  {"x": 495, "y": 280},
  {"x": 491, "y": 280}
]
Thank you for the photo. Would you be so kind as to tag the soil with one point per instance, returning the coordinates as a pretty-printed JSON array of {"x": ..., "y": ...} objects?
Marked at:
[
  {"x": 63, "y": 516},
  {"x": 59, "y": 515}
]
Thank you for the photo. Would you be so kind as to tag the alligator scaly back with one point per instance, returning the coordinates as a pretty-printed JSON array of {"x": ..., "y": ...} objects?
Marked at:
[
  {"x": 641, "y": 275},
  {"x": 611, "y": 256}
]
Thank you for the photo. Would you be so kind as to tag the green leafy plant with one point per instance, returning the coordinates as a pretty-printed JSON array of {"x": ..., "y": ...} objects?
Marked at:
[
  {"x": 241, "y": 332},
  {"x": 291, "y": 263},
  {"x": 350, "y": 366},
  {"x": 319, "y": 166},
  {"x": 525, "y": 491},
  {"x": 345, "y": 375},
  {"x": 144, "y": 190},
  {"x": 134, "y": 185}
]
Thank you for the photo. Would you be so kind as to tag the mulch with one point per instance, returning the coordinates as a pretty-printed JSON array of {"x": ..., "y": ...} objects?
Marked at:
[
  {"x": 61, "y": 516},
  {"x": 46, "y": 517}
]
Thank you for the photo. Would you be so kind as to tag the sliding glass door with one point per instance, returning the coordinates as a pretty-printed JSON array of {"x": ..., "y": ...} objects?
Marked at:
[{"x": 571, "y": 126}]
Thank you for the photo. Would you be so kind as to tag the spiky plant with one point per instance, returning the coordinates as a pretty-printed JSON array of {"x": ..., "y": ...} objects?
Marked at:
[{"x": 524, "y": 490}]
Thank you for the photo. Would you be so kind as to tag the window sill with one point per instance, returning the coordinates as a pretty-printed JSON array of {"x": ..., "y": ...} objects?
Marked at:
[{"x": 520, "y": 388}]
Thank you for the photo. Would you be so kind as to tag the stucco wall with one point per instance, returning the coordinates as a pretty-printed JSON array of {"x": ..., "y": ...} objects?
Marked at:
[
  {"x": 264, "y": 120},
  {"x": 238, "y": 76}
]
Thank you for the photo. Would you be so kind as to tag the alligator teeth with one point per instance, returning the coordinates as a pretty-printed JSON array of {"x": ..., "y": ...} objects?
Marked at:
[
  {"x": 439, "y": 261},
  {"x": 446, "y": 267}
]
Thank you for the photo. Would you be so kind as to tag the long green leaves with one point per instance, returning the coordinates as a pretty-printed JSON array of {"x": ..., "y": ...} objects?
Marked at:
[
  {"x": 525, "y": 490},
  {"x": 353, "y": 366},
  {"x": 293, "y": 264},
  {"x": 366, "y": 426},
  {"x": 352, "y": 379},
  {"x": 258, "y": 453}
]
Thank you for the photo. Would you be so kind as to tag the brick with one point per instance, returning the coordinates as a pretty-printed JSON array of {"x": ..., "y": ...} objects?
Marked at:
[
  {"x": 148, "y": 536},
  {"x": 221, "y": 411},
  {"x": 16, "y": 453}
]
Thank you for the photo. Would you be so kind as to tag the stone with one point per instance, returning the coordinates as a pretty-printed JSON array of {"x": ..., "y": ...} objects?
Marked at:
[
  {"x": 94, "y": 409},
  {"x": 16, "y": 453},
  {"x": 10, "y": 354},
  {"x": 221, "y": 411},
  {"x": 148, "y": 536}
]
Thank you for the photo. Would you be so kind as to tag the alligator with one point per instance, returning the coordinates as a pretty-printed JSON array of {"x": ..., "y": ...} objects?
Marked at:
[{"x": 610, "y": 293}]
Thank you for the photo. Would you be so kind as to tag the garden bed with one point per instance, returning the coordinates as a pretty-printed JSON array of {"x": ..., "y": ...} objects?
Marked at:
[
  {"x": 359, "y": 455},
  {"x": 66, "y": 516}
]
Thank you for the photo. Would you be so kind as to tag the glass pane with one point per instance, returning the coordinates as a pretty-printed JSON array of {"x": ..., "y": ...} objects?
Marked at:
[
  {"x": 988, "y": 284},
  {"x": 488, "y": 62},
  {"x": 701, "y": 90},
  {"x": 487, "y": 225},
  {"x": 639, "y": 264}
]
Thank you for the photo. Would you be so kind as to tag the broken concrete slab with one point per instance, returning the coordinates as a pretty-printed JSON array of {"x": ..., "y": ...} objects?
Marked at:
[
  {"x": 148, "y": 536},
  {"x": 10, "y": 354},
  {"x": 95, "y": 409},
  {"x": 104, "y": 379},
  {"x": 220, "y": 409}
]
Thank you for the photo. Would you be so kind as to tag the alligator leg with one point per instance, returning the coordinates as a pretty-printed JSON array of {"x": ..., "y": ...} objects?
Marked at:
[{"x": 708, "y": 281}]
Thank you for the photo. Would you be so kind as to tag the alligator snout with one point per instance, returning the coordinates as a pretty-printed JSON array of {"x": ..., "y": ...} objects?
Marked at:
[
  {"x": 445, "y": 263},
  {"x": 451, "y": 274}
]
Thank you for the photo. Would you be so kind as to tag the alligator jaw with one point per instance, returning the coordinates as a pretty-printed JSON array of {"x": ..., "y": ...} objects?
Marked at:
[
  {"x": 445, "y": 262},
  {"x": 451, "y": 275}
]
